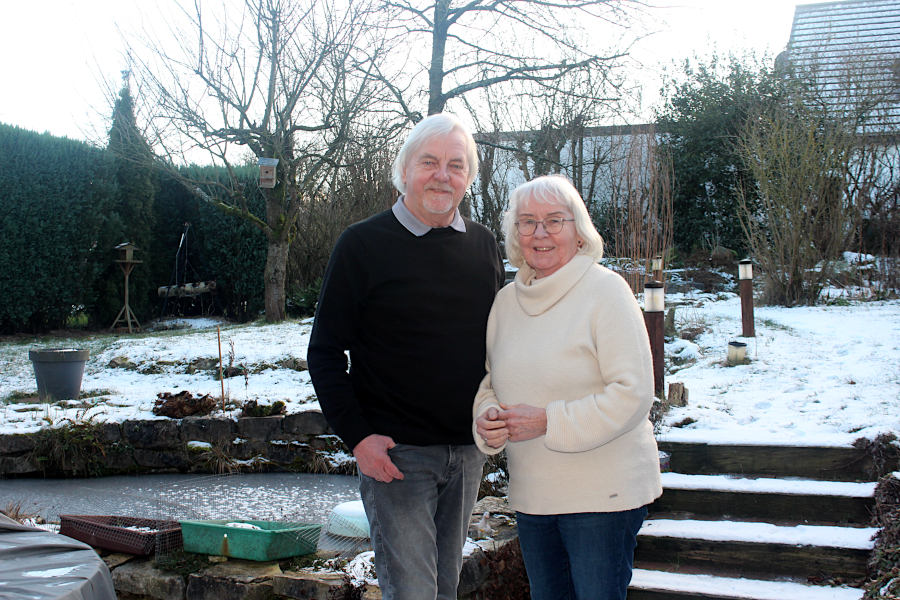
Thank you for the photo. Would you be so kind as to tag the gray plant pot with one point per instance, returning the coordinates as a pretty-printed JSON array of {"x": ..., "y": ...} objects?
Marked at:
[{"x": 58, "y": 372}]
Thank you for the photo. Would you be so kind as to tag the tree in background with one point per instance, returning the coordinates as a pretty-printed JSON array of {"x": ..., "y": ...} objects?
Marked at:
[
  {"x": 130, "y": 218},
  {"x": 559, "y": 134},
  {"x": 359, "y": 189},
  {"x": 282, "y": 79},
  {"x": 820, "y": 167},
  {"x": 477, "y": 45},
  {"x": 706, "y": 106},
  {"x": 637, "y": 219},
  {"x": 801, "y": 218}
]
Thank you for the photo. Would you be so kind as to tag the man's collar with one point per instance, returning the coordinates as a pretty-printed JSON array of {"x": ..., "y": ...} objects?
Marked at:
[{"x": 417, "y": 227}]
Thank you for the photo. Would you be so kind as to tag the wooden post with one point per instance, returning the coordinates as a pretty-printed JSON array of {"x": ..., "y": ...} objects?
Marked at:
[
  {"x": 654, "y": 309},
  {"x": 221, "y": 374},
  {"x": 745, "y": 274}
]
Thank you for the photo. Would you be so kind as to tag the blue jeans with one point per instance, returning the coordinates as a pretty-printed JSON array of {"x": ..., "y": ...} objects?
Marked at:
[
  {"x": 579, "y": 556},
  {"x": 418, "y": 524}
]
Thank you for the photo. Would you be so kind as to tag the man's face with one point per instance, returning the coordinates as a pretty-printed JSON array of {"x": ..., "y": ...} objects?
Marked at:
[{"x": 436, "y": 177}]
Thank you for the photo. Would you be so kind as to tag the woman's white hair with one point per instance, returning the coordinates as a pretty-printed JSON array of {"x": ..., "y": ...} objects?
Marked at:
[
  {"x": 427, "y": 128},
  {"x": 550, "y": 189}
]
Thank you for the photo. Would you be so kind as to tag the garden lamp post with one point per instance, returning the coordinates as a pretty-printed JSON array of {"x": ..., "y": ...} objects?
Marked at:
[
  {"x": 737, "y": 353},
  {"x": 656, "y": 267},
  {"x": 745, "y": 275},
  {"x": 654, "y": 307}
]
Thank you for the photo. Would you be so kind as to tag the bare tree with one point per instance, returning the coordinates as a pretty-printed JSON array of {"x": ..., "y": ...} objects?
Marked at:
[
  {"x": 282, "y": 79},
  {"x": 638, "y": 215},
  {"x": 821, "y": 166},
  {"x": 559, "y": 134},
  {"x": 478, "y": 44},
  {"x": 800, "y": 164},
  {"x": 361, "y": 188}
]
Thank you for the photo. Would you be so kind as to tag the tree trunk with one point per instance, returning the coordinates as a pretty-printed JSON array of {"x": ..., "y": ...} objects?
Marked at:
[
  {"x": 440, "y": 29},
  {"x": 275, "y": 276}
]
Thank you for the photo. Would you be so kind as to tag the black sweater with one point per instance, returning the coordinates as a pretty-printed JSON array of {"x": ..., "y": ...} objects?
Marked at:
[{"x": 412, "y": 311}]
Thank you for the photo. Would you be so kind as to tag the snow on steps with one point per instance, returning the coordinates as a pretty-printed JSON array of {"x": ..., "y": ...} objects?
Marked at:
[
  {"x": 659, "y": 584},
  {"x": 808, "y": 501},
  {"x": 847, "y": 538},
  {"x": 756, "y": 522}
]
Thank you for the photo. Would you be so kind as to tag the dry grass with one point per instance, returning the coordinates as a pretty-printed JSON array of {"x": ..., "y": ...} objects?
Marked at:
[{"x": 15, "y": 512}]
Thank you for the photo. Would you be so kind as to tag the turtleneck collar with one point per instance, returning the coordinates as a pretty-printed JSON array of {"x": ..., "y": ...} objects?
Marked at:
[{"x": 536, "y": 296}]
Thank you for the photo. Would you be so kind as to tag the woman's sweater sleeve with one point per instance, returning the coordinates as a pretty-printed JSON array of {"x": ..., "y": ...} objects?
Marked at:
[{"x": 485, "y": 398}]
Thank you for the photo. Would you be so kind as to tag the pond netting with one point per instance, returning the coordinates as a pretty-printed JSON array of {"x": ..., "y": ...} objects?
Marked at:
[{"x": 260, "y": 516}]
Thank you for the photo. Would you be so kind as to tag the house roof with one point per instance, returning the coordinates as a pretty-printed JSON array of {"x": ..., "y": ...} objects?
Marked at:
[{"x": 853, "y": 49}]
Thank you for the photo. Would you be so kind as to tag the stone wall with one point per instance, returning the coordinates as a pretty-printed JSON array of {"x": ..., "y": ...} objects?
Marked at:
[{"x": 300, "y": 442}]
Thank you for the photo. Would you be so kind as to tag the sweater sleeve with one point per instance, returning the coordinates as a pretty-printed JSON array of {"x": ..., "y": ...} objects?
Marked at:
[
  {"x": 334, "y": 329},
  {"x": 625, "y": 364},
  {"x": 485, "y": 398}
]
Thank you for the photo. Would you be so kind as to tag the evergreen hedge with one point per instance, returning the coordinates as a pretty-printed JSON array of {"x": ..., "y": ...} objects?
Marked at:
[
  {"x": 54, "y": 194},
  {"x": 59, "y": 212}
]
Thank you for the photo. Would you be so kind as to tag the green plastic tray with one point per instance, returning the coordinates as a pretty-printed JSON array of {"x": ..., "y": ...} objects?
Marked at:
[{"x": 273, "y": 540}]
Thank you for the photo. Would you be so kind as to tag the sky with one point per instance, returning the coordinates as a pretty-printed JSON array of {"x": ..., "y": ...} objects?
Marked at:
[{"x": 61, "y": 56}]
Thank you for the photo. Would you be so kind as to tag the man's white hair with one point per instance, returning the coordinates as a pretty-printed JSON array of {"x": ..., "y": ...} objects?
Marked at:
[{"x": 427, "y": 128}]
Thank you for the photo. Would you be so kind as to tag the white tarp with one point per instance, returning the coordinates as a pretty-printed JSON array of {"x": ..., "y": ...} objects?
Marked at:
[{"x": 40, "y": 565}]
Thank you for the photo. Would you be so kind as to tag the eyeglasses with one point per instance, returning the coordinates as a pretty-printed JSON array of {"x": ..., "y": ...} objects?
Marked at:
[{"x": 551, "y": 225}]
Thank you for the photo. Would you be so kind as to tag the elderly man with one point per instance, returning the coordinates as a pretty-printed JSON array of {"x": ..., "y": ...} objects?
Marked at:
[{"x": 407, "y": 292}]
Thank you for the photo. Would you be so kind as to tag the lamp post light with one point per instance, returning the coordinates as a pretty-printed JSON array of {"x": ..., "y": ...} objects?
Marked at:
[
  {"x": 656, "y": 267},
  {"x": 654, "y": 308},
  {"x": 745, "y": 275},
  {"x": 737, "y": 353}
]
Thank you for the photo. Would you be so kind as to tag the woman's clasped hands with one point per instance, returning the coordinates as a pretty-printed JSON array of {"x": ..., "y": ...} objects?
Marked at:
[{"x": 516, "y": 423}]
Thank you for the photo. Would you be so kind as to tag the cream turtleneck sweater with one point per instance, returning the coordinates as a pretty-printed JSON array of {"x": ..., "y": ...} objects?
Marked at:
[{"x": 574, "y": 343}]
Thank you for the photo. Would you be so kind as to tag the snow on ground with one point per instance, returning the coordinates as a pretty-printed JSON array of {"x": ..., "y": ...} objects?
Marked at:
[
  {"x": 162, "y": 360},
  {"x": 823, "y": 375}
]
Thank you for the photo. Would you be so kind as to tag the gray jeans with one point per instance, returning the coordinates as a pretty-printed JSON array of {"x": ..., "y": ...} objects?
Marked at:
[{"x": 418, "y": 524}]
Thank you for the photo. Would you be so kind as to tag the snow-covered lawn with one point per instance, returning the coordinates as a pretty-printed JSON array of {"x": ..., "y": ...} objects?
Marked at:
[{"x": 822, "y": 375}]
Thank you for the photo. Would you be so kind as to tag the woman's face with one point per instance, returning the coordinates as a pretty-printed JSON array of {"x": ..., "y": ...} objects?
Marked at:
[{"x": 547, "y": 252}]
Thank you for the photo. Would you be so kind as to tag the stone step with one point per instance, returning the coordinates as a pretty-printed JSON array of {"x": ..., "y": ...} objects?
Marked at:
[
  {"x": 773, "y": 500},
  {"x": 760, "y": 550},
  {"x": 661, "y": 585},
  {"x": 808, "y": 462}
]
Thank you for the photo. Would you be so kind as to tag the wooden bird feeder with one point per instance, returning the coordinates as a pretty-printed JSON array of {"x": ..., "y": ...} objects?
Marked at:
[
  {"x": 126, "y": 252},
  {"x": 127, "y": 261}
]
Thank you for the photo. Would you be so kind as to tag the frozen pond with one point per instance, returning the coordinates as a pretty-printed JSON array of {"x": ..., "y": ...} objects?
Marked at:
[{"x": 262, "y": 496}]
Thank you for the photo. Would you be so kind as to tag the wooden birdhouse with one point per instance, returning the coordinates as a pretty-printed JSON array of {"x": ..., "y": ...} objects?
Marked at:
[{"x": 267, "y": 172}]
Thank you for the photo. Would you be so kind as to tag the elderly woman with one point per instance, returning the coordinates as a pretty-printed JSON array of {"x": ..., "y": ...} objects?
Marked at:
[{"x": 568, "y": 394}]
